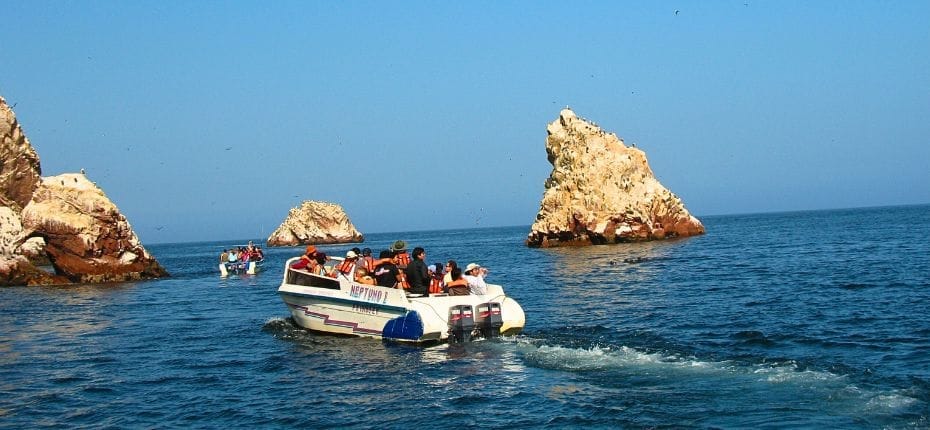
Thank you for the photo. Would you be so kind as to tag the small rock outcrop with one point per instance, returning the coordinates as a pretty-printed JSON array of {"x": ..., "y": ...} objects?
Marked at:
[
  {"x": 315, "y": 222},
  {"x": 87, "y": 239},
  {"x": 601, "y": 191}
]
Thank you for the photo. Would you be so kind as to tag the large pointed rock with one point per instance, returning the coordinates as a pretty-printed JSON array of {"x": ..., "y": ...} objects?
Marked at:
[
  {"x": 19, "y": 164},
  {"x": 602, "y": 191},
  {"x": 19, "y": 176},
  {"x": 86, "y": 237},
  {"x": 315, "y": 222}
]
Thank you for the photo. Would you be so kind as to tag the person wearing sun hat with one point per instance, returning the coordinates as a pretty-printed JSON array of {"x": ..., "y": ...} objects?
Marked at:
[
  {"x": 474, "y": 274},
  {"x": 348, "y": 264},
  {"x": 309, "y": 254},
  {"x": 401, "y": 257}
]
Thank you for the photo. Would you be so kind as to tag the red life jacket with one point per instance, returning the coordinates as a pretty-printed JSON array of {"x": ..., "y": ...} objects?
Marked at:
[
  {"x": 435, "y": 284},
  {"x": 402, "y": 280},
  {"x": 346, "y": 266}
]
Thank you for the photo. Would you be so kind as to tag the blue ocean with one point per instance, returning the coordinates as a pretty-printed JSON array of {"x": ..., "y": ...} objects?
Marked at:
[{"x": 790, "y": 320}]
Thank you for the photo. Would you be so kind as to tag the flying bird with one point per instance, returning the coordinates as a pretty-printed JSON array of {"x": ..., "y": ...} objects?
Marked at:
[{"x": 676, "y": 11}]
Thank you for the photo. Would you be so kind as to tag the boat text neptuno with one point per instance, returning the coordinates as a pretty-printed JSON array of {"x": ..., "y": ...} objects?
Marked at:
[{"x": 342, "y": 306}]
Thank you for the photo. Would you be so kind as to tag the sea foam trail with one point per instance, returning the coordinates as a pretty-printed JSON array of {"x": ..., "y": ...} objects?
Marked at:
[{"x": 659, "y": 369}]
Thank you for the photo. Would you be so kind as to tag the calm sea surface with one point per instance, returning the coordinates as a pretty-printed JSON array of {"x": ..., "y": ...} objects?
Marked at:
[{"x": 793, "y": 320}]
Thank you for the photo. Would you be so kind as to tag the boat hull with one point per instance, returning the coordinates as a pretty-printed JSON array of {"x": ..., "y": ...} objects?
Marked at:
[
  {"x": 341, "y": 306},
  {"x": 248, "y": 268}
]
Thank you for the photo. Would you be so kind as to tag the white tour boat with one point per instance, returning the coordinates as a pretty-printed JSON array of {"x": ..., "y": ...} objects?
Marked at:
[{"x": 342, "y": 306}]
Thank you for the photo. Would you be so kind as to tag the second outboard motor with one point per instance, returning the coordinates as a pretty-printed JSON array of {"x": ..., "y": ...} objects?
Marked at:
[
  {"x": 488, "y": 319},
  {"x": 461, "y": 323}
]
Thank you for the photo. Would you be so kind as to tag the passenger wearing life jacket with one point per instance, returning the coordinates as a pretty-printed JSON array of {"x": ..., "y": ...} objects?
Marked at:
[
  {"x": 348, "y": 264},
  {"x": 367, "y": 261},
  {"x": 401, "y": 257},
  {"x": 458, "y": 286},
  {"x": 436, "y": 284},
  {"x": 401, "y": 276},
  {"x": 309, "y": 254}
]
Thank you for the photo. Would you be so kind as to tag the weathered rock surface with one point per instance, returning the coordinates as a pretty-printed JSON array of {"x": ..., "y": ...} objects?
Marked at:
[
  {"x": 315, "y": 222},
  {"x": 87, "y": 239},
  {"x": 19, "y": 164},
  {"x": 601, "y": 191},
  {"x": 19, "y": 176},
  {"x": 15, "y": 267}
]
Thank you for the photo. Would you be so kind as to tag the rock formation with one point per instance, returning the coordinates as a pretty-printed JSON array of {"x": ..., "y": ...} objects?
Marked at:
[
  {"x": 19, "y": 176},
  {"x": 314, "y": 223},
  {"x": 15, "y": 267},
  {"x": 64, "y": 221},
  {"x": 601, "y": 191},
  {"x": 87, "y": 238},
  {"x": 19, "y": 163}
]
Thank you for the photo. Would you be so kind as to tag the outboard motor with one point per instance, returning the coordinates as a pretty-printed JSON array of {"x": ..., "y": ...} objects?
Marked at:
[
  {"x": 488, "y": 319},
  {"x": 461, "y": 323}
]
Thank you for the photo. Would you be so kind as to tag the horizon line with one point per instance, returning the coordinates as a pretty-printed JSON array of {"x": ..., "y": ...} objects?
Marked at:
[{"x": 530, "y": 225}]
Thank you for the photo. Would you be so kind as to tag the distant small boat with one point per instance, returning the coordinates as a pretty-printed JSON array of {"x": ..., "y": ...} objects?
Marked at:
[
  {"x": 343, "y": 306},
  {"x": 251, "y": 266}
]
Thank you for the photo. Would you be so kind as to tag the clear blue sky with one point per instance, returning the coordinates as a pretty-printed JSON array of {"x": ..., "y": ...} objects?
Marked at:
[{"x": 210, "y": 120}]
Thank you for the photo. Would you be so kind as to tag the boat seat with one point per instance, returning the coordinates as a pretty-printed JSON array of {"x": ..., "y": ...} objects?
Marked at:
[{"x": 307, "y": 279}]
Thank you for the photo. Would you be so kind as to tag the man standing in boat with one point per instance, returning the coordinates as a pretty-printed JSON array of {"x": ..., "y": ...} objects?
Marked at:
[{"x": 417, "y": 273}]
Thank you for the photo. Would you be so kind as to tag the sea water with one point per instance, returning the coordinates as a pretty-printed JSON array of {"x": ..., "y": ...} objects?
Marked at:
[{"x": 806, "y": 319}]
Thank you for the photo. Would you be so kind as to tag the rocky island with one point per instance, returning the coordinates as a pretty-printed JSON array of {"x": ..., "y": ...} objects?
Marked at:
[
  {"x": 602, "y": 191},
  {"x": 315, "y": 222},
  {"x": 65, "y": 221}
]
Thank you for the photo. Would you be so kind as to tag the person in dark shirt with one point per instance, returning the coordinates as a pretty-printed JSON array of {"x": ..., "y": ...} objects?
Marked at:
[
  {"x": 417, "y": 273},
  {"x": 386, "y": 271}
]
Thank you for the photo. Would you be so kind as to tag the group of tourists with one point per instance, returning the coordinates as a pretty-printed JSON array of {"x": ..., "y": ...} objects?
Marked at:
[
  {"x": 242, "y": 254},
  {"x": 396, "y": 268}
]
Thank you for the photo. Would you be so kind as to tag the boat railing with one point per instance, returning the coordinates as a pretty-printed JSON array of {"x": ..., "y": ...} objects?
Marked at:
[{"x": 305, "y": 278}]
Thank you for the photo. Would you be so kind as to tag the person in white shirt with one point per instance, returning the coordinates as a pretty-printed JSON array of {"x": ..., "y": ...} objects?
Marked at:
[{"x": 475, "y": 274}]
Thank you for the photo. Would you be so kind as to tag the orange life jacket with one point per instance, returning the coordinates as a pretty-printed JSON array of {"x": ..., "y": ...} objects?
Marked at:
[
  {"x": 369, "y": 264},
  {"x": 402, "y": 280},
  {"x": 346, "y": 266},
  {"x": 403, "y": 259},
  {"x": 435, "y": 285}
]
